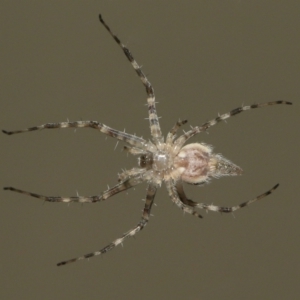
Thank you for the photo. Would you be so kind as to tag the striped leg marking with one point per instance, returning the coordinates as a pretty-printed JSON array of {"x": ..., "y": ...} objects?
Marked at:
[
  {"x": 120, "y": 135},
  {"x": 172, "y": 133},
  {"x": 234, "y": 208},
  {"x": 173, "y": 194},
  {"x": 153, "y": 118},
  {"x": 183, "y": 139},
  {"x": 83, "y": 199},
  {"x": 143, "y": 222}
]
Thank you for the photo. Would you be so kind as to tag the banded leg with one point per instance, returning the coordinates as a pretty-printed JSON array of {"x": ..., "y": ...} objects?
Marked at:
[
  {"x": 122, "y": 186},
  {"x": 176, "y": 199},
  {"x": 143, "y": 222},
  {"x": 183, "y": 139},
  {"x": 135, "y": 151},
  {"x": 234, "y": 208},
  {"x": 120, "y": 135},
  {"x": 127, "y": 174},
  {"x": 172, "y": 133},
  {"x": 182, "y": 195},
  {"x": 153, "y": 118}
]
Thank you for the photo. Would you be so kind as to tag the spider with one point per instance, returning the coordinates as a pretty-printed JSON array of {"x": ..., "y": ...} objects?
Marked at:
[{"x": 159, "y": 160}]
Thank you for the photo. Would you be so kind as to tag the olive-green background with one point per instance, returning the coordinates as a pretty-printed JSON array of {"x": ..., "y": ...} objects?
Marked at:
[{"x": 203, "y": 58}]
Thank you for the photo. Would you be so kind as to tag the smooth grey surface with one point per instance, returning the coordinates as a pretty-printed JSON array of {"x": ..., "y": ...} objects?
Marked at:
[{"x": 202, "y": 57}]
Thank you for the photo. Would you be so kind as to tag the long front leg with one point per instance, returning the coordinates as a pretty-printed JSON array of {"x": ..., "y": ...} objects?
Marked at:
[
  {"x": 143, "y": 222},
  {"x": 120, "y": 135},
  {"x": 153, "y": 118},
  {"x": 122, "y": 186}
]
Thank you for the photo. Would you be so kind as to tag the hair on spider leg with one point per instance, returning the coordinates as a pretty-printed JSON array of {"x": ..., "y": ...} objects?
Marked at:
[{"x": 116, "y": 145}]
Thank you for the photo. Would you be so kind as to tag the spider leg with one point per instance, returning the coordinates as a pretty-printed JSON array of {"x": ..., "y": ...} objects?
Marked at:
[
  {"x": 153, "y": 118},
  {"x": 134, "y": 150},
  {"x": 172, "y": 133},
  {"x": 120, "y": 135},
  {"x": 234, "y": 208},
  {"x": 143, "y": 222},
  {"x": 173, "y": 193},
  {"x": 182, "y": 195},
  {"x": 183, "y": 139},
  {"x": 122, "y": 186},
  {"x": 127, "y": 174}
]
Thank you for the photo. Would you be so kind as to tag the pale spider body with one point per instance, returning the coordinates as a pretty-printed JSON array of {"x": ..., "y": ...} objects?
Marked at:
[{"x": 160, "y": 160}]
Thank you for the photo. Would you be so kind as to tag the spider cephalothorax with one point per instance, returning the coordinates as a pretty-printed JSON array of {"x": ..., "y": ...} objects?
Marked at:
[{"x": 159, "y": 160}]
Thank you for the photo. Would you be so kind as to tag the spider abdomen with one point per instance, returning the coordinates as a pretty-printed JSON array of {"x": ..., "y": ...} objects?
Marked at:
[
  {"x": 197, "y": 164},
  {"x": 193, "y": 163}
]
